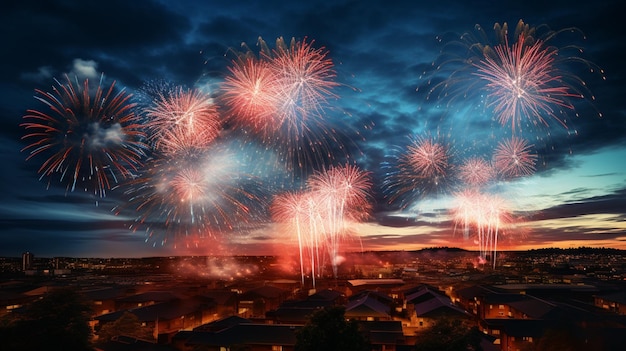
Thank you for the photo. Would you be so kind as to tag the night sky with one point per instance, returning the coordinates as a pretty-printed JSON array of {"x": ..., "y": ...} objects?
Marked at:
[{"x": 387, "y": 56}]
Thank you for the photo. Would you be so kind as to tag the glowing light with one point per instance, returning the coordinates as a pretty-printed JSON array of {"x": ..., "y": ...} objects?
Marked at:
[
  {"x": 513, "y": 158},
  {"x": 182, "y": 119},
  {"x": 88, "y": 139}
]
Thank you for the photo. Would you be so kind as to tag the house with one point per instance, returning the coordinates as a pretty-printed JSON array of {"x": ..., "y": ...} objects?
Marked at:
[
  {"x": 164, "y": 319},
  {"x": 255, "y": 302},
  {"x": 104, "y": 299},
  {"x": 614, "y": 302},
  {"x": 384, "y": 335},
  {"x": 254, "y": 336},
  {"x": 427, "y": 312},
  {"x": 145, "y": 299},
  {"x": 227, "y": 301},
  {"x": 367, "y": 308}
]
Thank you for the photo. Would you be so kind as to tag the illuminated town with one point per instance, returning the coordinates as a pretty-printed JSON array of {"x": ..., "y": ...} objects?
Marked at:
[{"x": 258, "y": 302}]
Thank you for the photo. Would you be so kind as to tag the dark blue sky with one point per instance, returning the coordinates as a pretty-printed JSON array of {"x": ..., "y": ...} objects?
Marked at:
[{"x": 380, "y": 50}]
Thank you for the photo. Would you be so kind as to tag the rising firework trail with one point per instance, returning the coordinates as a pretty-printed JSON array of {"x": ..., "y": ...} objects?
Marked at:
[
  {"x": 291, "y": 209},
  {"x": 483, "y": 216},
  {"x": 343, "y": 194},
  {"x": 89, "y": 139}
]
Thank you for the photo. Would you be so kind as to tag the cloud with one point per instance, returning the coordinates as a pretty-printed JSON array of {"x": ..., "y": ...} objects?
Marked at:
[{"x": 84, "y": 69}]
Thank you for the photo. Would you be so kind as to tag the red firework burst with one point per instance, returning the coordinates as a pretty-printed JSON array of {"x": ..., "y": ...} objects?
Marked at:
[
  {"x": 183, "y": 119},
  {"x": 523, "y": 82},
  {"x": 306, "y": 78},
  {"x": 280, "y": 96},
  {"x": 87, "y": 138},
  {"x": 428, "y": 159},
  {"x": 250, "y": 91},
  {"x": 513, "y": 158},
  {"x": 476, "y": 172},
  {"x": 345, "y": 189}
]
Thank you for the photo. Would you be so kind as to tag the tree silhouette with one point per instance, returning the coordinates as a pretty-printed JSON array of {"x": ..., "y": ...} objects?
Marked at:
[
  {"x": 448, "y": 334},
  {"x": 327, "y": 330},
  {"x": 59, "y": 321},
  {"x": 128, "y": 325}
]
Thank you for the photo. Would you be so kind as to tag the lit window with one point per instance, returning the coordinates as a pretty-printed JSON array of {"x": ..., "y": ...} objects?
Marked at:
[{"x": 277, "y": 348}]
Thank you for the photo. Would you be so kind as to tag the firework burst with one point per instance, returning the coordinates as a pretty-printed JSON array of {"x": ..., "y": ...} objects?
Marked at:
[
  {"x": 476, "y": 172},
  {"x": 483, "y": 216},
  {"x": 513, "y": 158},
  {"x": 280, "y": 97},
  {"x": 182, "y": 118},
  {"x": 421, "y": 168},
  {"x": 197, "y": 194},
  {"x": 343, "y": 195},
  {"x": 523, "y": 81},
  {"x": 88, "y": 139}
]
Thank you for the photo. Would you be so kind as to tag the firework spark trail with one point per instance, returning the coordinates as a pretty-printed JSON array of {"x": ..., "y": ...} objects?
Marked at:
[
  {"x": 306, "y": 76},
  {"x": 87, "y": 138},
  {"x": 199, "y": 193},
  {"x": 476, "y": 172},
  {"x": 181, "y": 119},
  {"x": 523, "y": 82},
  {"x": 486, "y": 214},
  {"x": 290, "y": 208},
  {"x": 421, "y": 168},
  {"x": 343, "y": 193},
  {"x": 513, "y": 158},
  {"x": 250, "y": 91},
  {"x": 280, "y": 97}
]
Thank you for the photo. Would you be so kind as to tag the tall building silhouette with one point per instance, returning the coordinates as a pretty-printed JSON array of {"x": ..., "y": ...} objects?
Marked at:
[{"x": 27, "y": 260}]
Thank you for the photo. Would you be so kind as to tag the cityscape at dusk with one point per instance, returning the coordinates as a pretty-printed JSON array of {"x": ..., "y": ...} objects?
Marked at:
[{"x": 213, "y": 128}]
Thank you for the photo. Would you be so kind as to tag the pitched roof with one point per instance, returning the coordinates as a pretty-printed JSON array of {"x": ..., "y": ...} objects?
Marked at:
[
  {"x": 265, "y": 291},
  {"x": 423, "y": 294},
  {"x": 438, "y": 305},
  {"x": 250, "y": 334},
  {"x": 366, "y": 306},
  {"x": 157, "y": 296},
  {"x": 163, "y": 310},
  {"x": 326, "y": 294},
  {"x": 222, "y": 324},
  {"x": 533, "y": 308},
  {"x": 376, "y": 282}
]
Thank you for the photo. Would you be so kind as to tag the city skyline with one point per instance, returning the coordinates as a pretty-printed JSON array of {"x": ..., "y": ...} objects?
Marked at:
[{"x": 393, "y": 82}]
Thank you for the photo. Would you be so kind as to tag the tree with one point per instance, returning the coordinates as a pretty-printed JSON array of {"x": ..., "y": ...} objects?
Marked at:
[
  {"x": 128, "y": 325},
  {"x": 59, "y": 321},
  {"x": 448, "y": 334},
  {"x": 563, "y": 337},
  {"x": 327, "y": 330}
]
